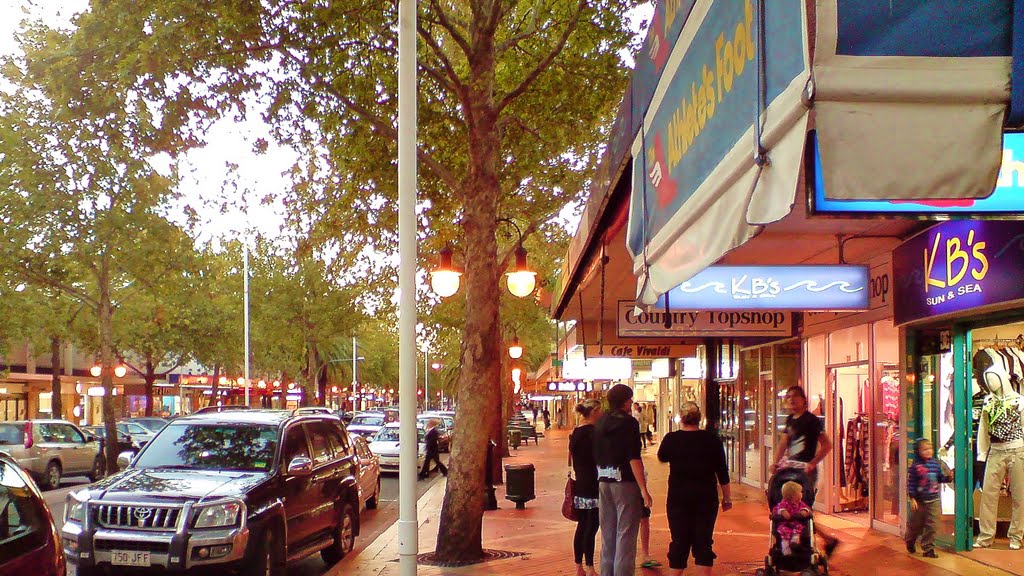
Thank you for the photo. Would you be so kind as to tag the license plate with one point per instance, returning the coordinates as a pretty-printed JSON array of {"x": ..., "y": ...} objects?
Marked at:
[{"x": 129, "y": 558}]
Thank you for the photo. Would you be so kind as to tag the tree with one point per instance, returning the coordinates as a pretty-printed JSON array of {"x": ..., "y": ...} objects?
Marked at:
[
  {"x": 216, "y": 335},
  {"x": 514, "y": 100}
]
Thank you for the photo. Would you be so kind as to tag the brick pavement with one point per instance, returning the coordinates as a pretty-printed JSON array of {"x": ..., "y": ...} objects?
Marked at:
[{"x": 545, "y": 538}]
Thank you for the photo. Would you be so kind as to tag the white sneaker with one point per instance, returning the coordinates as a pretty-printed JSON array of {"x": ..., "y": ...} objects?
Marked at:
[
  {"x": 1014, "y": 545},
  {"x": 979, "y": 544}
]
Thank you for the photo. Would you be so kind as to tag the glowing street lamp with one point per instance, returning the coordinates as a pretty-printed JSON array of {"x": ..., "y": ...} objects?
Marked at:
[
  {"x": 515, "y": 351},
  {"x": 120, "y": 371},
  {"x": 96, "y": 371},
  {"x": 521, "y": 280},
  {"x": 445, "y": 279}
]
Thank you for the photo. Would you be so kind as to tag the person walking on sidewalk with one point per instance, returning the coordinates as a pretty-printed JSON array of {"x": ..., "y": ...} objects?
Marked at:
[
  {"x": 621, "y": 483},
  {"x": 697, "y": 468},
  {"x": 805, "y": 441},
  {"x": 927, "y": 474},
  {"x": 433, "y": 451},
  {"x": 585, "y": 490},
  {"x": 641, "y": 420}
]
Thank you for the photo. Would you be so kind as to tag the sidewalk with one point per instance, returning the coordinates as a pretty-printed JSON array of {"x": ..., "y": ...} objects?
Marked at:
[{"x": 545, "y": 538}]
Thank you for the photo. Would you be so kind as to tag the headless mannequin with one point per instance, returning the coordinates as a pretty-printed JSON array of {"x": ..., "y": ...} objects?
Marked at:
[{"x": 1001, "y": 445}]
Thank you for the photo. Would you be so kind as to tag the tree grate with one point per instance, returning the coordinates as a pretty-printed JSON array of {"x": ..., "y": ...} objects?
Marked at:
[{"x": 427, "y": 559}]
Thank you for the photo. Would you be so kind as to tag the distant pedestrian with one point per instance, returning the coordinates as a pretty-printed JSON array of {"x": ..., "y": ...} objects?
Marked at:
[
  {"x": 535, "y": 412},
  {"x": 585, "y": 490},
  {"x": 641, "y": 420},
  {"x": 697, "y": 468},
  {"x": 621, "y": 483},
  {"x": 547, "y": 420},
  {"x": 433, "y": 451},
  {"x": 927, "y": 474}
]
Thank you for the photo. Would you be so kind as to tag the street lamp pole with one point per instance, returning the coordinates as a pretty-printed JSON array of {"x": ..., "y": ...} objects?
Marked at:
[
  {"x": 355, "y": 381},
  {"x": 426, "y": 384},
  {"x": 245, "y": 304},
  {"x": 408, "y": 536}
]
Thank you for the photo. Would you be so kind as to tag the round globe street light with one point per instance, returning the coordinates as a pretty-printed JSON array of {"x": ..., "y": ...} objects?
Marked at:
[
  {"x": 521, "y": 280},
  {"x": 96, "y": 371},
  {"x": 515, "y": 351},
  {"x": 445, "y": 279},
  {"x": 120, "y": 371}
]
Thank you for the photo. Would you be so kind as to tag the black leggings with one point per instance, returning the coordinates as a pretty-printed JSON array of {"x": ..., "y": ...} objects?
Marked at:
[
  {"x": 692, "y": 533},
  {"x": 587, "y": 523}
]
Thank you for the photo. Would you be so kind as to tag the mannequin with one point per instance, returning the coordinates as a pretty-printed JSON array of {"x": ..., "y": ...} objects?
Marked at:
[{"x": 1001, "y": 446}]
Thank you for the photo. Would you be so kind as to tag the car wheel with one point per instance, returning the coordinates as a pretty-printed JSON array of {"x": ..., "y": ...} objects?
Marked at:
[
  {"x": 371, "y": 504},
  {"x": 267, "y": 556},
  {"x": 51, "y": 477},
  {"x": 99, "y": 469},
  {"x": 344, "y": 536}
]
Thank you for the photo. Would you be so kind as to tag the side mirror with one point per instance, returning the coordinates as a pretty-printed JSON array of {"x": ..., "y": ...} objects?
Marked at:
[
  {"x": 300, "y": 466},
  {"x": 124, "y": 460}
]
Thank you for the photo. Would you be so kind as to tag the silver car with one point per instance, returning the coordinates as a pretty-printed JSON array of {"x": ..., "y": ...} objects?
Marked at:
[{"x": 50, "y": 449}]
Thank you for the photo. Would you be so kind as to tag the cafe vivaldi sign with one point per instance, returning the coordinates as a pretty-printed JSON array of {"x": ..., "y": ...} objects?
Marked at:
[
  {"x": 641, "y": 351},
  {"x": 957, "y": 266},
  {"x": 701, "y": 323}
]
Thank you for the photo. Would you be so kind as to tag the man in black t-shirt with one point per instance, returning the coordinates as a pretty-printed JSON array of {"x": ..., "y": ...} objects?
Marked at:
[{"x": 805, "y": 441}]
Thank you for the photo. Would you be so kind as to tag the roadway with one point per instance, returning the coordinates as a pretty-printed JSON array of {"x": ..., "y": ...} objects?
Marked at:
[{"x": 374, "y": 522}]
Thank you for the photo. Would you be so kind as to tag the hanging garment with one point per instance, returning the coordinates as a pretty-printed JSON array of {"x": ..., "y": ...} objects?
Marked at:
[
  {"x": 841, "y": 447},
  {"x": 891, "y": 397}
]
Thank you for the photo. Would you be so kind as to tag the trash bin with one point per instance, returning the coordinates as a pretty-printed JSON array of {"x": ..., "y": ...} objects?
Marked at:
[
  {"x": 515, "y": 437},
  {"x": 519, "y": 484}
]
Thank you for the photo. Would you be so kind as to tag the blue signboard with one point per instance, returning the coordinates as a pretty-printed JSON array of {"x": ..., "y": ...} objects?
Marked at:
[
  {"x": 710, "y": 101},
  {"x": 956, "y": 266},
  {"x": 935, "y": 28},
  {"x": 809, "y": 288},
  {"x": 1007, "y": 198}
]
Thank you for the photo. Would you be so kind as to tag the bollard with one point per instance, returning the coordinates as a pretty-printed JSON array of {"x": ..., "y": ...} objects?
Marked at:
[
  {"x": 519, "y": 484},
  {"x": 490, "y": 499}
]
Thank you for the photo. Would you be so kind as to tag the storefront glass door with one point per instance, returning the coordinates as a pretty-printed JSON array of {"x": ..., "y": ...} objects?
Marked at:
[
  {"x": 936, "y": 423},
  {"x": 851, "y": 400}
]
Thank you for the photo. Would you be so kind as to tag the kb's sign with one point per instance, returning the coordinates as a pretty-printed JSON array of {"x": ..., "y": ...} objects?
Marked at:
[{"x": 701, "y": 323}]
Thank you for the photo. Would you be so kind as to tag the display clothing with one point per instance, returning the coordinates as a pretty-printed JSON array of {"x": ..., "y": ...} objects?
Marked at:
[
  {"x": 581, "y": 447},
  {"x": 1000, "y": 443}
]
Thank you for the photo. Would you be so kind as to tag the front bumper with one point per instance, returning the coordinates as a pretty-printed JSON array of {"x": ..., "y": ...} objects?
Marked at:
[
  {"x": 390, "y": 463},
  {"x": 92, "y": 545}
]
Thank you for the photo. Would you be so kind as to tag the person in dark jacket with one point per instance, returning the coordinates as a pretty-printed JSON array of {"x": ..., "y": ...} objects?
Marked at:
[
  {"x": 926, "y": 476},
  {"x": 621, "y": 483},
  {"x": 433, "y": 452},
  {"x": 697, "y": 468},
  {"x": 585, "y": 492}
]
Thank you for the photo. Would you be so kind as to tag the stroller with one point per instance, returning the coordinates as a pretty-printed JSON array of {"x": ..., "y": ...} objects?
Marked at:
[{"x": 805, "y": 559}]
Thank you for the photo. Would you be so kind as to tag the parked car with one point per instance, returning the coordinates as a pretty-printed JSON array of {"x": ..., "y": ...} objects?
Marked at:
[
  {"x": 29, "y": 543},
  {"x": 240, "y": 490},
  {"x": 315, "y": 410},
  {"x": 138, "y": 432},
  {"x": 366, "y": 424},
  {"x": 226, "y": 408},
  {"x": 385, "y": 446},
  {"x": 443, "y": 432},
  {"x": 151, "y": 423},
  {"x": 369, "y": 472},
  {"x": 51, "y": 449},
  {"x": 124, "y": 441}
]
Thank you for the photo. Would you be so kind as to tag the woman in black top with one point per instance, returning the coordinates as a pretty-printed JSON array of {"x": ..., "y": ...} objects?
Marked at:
[
  {"x": 698, "y": 467},
  {"x": 585, "y": 495}
]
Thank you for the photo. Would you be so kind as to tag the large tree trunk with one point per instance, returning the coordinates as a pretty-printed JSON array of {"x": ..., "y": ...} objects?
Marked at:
[
  {"x": 460, "y": 528},
  {"x": 56, "y": 403},
  {"x": 105, "y": 315},
  {"x": 150, "y": 380}
]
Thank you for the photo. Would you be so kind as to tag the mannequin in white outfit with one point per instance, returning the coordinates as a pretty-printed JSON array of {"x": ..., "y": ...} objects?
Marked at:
[{"x": 1001, "y": 446}]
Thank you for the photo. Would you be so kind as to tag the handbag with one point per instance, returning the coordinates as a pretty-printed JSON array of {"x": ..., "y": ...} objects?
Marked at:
[{"x": 568, "y": 510}]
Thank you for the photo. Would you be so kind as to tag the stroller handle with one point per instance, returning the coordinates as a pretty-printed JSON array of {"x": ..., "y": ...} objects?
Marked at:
[{"x": 792, "y": 464}]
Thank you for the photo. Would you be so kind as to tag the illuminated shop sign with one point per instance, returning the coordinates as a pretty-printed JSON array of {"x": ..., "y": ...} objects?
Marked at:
[
  {"x": 957, "y": 266},
  {"x": 570, "y": 386},
  {"x": 700, "y": 323},
  {"x": 772, "y": 288},
  {"x": 1008, "y": 196}
]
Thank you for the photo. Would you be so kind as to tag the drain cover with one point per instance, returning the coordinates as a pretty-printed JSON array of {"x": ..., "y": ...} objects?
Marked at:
[{"x": 427, "y": 559}]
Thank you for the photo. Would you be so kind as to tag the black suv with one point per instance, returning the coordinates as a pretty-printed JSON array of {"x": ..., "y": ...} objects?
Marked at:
[{"x": 248, "y": 490}]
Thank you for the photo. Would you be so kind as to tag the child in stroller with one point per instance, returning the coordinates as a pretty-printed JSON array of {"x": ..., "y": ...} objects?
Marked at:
[{"x": 792, "y": 533}]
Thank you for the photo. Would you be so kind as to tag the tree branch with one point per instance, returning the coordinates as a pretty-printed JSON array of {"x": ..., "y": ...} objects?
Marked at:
[
  {"x": 455, "y": 84},
  {"x": 445, "y": 22},
  {"x": 546, "y": 61}
]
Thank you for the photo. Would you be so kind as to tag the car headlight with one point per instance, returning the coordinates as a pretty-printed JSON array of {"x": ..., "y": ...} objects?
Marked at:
[
  {"x": 219, "y": 515},
  {"x": 75, "y": 507}
]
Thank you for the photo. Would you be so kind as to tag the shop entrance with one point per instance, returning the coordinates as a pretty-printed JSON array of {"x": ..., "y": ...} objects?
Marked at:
[
  {"x": 851, "y": 405},
  {"x": 936, "y": 376}
]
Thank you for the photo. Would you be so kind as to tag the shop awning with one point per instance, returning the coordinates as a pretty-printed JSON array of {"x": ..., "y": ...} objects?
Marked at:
[{"x": 908, "y": 99}]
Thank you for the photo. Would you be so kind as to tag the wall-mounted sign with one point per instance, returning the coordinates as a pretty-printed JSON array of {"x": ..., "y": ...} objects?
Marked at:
[
  {"x": 772, "y": 288},
  {"x": 957, "y": 266},
  {"x": 702, "y": 323},
  {"x": 642, "y": 351},
  {"x": 570, "y": 386},
  {"x": 598, "y": 369},
  {"x": 1007, "y": 198}
]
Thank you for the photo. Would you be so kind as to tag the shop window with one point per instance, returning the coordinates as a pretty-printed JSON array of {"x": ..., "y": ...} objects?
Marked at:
[
  {"x": 848, "y": 346},
  {"x": 887, "y": 438},
  {"x": 815, "y": 373}
]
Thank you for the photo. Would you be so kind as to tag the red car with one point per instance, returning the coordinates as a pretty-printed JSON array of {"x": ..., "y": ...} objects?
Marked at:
[{"x": 29, "y": 543}]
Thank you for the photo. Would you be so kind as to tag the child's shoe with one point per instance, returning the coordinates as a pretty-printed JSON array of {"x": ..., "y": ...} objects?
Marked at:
[{"x": 930, "y": 554}]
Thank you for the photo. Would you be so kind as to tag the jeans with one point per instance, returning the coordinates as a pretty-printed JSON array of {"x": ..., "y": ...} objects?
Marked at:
[
  {"x": 1000, "y": 462},
  {"x": 621, "y": 506}
]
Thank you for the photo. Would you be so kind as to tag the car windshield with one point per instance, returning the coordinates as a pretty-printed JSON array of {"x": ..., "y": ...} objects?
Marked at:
[
  {"x": 212, "y": 447},
  {"x": 391, "y": 434},
  {"x": 152, "y": 425},
  {"x": 367, "y": 420}
]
